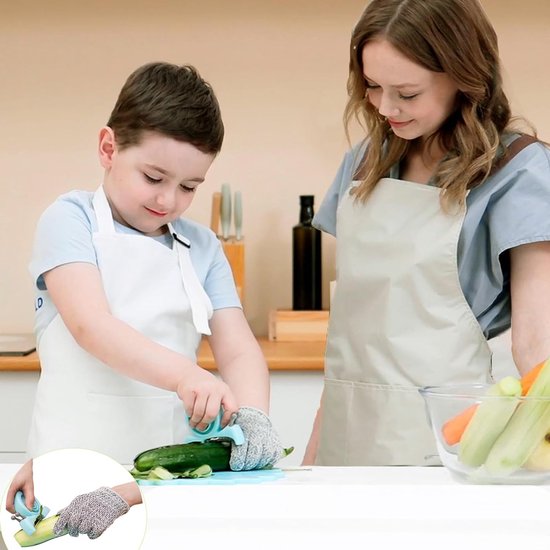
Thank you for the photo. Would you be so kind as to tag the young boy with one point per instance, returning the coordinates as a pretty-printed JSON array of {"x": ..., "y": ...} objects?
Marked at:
[{"x": 125, "y": 288}]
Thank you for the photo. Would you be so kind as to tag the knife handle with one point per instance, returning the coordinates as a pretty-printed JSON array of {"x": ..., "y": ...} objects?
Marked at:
[
  {"x": 215, "y": 212},
  {"x": 226, "y": 210},
  {"x": 238, "y": 215}
]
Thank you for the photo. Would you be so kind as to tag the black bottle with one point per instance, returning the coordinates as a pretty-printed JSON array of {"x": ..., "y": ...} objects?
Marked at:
[{"x": 306, "y": 260}]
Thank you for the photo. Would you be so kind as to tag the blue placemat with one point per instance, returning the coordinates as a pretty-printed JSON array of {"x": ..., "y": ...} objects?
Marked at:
[{"x": 221, "y": 478}]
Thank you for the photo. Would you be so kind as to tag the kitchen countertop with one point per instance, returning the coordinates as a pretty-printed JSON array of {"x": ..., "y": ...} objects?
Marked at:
[
  {"x": 279, "y": 356},
  {"x": 371, "y": 507}
]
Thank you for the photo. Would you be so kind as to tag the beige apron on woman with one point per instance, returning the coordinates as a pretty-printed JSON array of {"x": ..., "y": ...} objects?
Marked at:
[
  {"x": 80, "y": 401},
  {"x": 399, "y": 321}
]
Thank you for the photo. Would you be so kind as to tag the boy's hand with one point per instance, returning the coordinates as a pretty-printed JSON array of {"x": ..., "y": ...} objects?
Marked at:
[
  {"x": 203, "y": 394},
  {"x": 261, "y": 445},
  {"x": 23, "y": 481}
]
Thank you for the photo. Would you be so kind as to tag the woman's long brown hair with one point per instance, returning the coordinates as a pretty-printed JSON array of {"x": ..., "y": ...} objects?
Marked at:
[{"x": 450, "y": 36}]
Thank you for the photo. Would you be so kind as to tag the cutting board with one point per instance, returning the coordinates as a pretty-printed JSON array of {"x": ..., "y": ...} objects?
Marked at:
[{"x": 222, "y": 478}]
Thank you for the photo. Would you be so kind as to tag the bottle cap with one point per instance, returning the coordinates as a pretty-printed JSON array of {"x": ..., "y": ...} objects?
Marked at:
[{"x": 306, "y": 200}]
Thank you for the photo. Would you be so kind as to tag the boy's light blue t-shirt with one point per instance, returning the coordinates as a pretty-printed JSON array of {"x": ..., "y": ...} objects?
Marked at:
[
  {"x": 511, "y": 208},
  {"x": 64, "y": 235}
]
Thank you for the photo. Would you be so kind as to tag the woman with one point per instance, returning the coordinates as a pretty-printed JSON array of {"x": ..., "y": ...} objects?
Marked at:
[{"x": 442, "y": 230}]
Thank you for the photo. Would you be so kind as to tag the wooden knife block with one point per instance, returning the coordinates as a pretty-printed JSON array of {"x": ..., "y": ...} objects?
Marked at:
[
  {"x": 234, "y": 252},
  {"x": 233, "y": 248}
]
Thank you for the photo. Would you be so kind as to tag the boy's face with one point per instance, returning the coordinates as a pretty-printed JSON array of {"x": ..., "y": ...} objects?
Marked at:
[{"x": 151, "y": 184}]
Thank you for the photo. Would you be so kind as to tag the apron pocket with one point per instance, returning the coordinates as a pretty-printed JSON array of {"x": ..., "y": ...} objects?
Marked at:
[
  {"x": 386, "y": 425},
  {"x": 123, "y": 426}
]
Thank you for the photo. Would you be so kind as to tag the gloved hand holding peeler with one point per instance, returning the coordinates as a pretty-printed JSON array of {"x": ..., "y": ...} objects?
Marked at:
[
  {"x": 261, "y": 447},
  {"x": 254, "y": 442},
  {"x": 92, "y": 513}
]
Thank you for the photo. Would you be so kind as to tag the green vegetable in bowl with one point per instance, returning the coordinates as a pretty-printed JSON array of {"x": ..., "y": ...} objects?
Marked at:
[
  {"x": 525, "y": 431},
  {"x": 489, "y": 420}
]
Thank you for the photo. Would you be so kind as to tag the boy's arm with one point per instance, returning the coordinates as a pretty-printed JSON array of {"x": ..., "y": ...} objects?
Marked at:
[
  {"x": 77, "y": 292},
  {"x": 239, "y": 358},
  {"x": 241, "y": 363}
]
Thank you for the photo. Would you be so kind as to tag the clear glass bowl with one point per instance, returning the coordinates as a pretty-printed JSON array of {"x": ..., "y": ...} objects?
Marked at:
[{"x": 445, "y": 402}]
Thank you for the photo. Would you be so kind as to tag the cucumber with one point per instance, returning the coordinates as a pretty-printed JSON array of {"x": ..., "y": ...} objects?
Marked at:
[
  {"x": 184, "y": 456},
  {"x": 44, "y": 532}
]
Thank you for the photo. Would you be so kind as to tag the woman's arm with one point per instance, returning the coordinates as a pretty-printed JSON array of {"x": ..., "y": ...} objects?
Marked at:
[
  {"x": 313, "y": 444},
  {"x": 530, "y": 289},
  {"x": 77, "y": 291}
]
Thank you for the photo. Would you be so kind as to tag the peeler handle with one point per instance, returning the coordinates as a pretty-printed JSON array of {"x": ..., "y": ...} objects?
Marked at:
[
  {"x": 214, "y": 430},
  {"x": 31, "y": 516}
]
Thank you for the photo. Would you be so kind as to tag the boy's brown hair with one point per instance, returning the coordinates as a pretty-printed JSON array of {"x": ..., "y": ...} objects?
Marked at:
[{"x": 171, "y": 100}]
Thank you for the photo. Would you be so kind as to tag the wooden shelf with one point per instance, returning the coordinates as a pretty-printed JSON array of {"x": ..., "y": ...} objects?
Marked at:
[{"x": 279, "y": 356}]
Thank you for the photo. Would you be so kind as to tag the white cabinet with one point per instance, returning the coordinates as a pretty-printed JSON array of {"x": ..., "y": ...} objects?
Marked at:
[
  {"x": 295, "y": 397},
  {"x": 17, "y": 391}
]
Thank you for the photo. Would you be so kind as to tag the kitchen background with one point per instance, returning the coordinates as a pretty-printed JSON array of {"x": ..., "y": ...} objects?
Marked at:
[{"x": 279, "y": 69}]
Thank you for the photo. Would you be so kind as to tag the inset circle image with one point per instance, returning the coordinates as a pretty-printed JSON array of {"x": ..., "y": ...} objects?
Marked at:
[{"x": 72, "y": 498}]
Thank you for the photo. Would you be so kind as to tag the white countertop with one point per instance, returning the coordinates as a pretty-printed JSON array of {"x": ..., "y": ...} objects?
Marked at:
[{"x": 375, "y": 508}]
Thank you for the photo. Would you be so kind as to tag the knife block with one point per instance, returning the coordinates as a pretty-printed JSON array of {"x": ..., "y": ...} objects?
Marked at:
[{"x": 234, "y": 252}]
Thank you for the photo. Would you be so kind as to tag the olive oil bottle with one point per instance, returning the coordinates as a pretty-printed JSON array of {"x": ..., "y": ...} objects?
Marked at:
[{"x": 306, "y": 260}]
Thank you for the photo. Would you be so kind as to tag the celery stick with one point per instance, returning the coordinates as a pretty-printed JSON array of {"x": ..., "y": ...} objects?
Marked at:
[
  {"x": 525, "y": 431},
  {"x": 489, "y": 420}
]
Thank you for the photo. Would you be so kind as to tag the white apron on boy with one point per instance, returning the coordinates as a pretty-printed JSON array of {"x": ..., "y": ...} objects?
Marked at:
[
  {"x": 80, "y": 401},
  {"x": 399, "y": 321}
]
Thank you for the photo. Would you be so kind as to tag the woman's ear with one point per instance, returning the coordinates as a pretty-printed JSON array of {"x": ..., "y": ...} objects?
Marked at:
[{"x": 107, "y": 147}]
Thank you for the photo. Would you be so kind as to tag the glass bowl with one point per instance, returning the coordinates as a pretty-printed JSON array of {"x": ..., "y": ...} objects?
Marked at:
[{"x": 509, "y": 442}]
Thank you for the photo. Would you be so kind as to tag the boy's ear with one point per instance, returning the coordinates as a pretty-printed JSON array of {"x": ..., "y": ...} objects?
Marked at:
[{"x": 107, "y": 146}]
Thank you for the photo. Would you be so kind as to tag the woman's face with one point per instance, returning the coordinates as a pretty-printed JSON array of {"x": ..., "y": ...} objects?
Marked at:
[{"x": 415, "y": 100}]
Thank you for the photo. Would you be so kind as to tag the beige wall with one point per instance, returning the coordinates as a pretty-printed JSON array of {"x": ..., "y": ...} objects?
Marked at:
[{"x": 279, "y": 69}]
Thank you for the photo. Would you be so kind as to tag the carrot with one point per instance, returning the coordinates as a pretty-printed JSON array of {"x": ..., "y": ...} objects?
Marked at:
[
  {"x": 529, "y": 377},
  {"x": 453, "y": 429}
]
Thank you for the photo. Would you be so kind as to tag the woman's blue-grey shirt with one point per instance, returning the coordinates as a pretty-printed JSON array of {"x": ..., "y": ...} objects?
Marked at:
[{"x": 511, "y": 208}]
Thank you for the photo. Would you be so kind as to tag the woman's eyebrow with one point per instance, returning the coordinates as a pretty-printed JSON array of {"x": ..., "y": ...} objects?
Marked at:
[{"x": 404, "y": 85}]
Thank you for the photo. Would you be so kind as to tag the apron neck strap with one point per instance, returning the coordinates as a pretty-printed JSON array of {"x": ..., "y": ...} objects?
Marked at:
[
  {"x": 103, "y": 214},
  {"x": 178, "y": 238},
  {"x": 201, "y": 306}
]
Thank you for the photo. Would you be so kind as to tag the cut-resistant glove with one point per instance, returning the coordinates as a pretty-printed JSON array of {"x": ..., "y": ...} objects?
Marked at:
[
  {"x": 91, "y": 513},
  {"x": 261, "y": 445}
]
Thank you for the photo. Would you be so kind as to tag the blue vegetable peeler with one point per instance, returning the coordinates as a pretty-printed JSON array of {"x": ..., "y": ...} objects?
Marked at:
[
  {"x": 28, "y": 518},
  {"x": 214, "y": 430}
]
